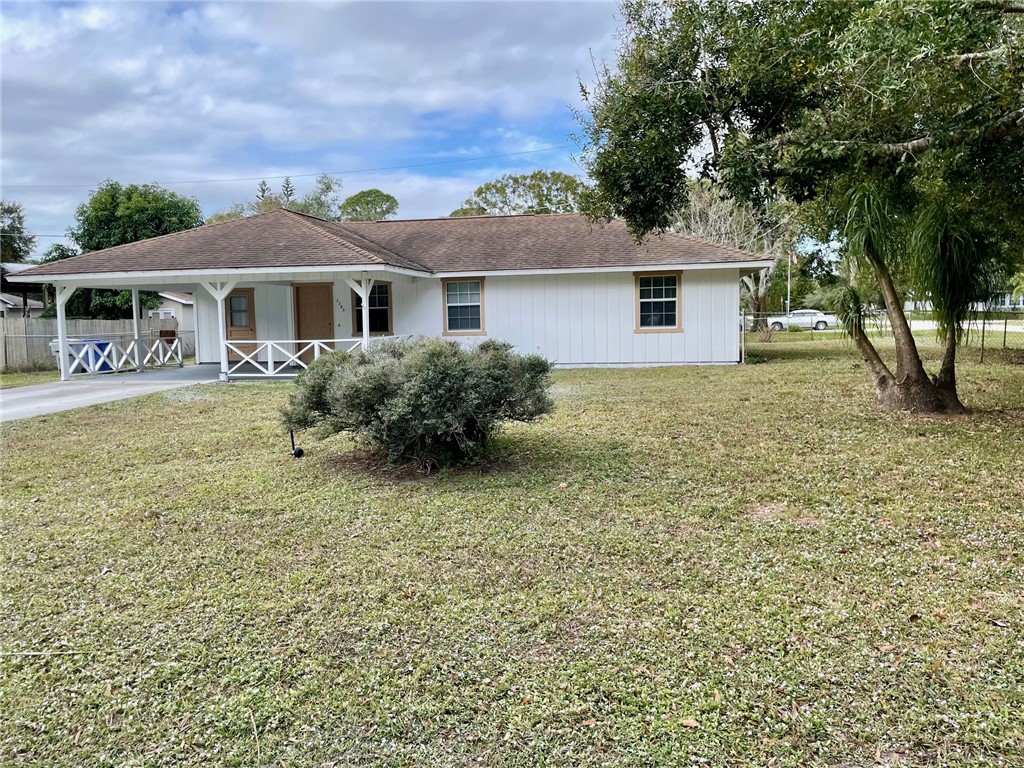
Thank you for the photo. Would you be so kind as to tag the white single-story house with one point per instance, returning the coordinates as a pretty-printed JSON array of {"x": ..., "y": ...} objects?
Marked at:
[
  {"x": 12, "y": 305},
  {"x": 273, "y": 291},
  {"x": 176, "y": 305}
]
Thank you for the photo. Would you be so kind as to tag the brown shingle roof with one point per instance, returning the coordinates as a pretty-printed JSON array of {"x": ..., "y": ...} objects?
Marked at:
[
  {"x": 277, "y": 239},
  {"x": 539, "y": 241},
  {"x": 474, "y": 244}
]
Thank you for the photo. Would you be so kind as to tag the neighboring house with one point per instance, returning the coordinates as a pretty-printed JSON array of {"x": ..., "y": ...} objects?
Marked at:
[
  {"x": 1007, "y": 302},
  {"x": 12, "y": 305},
  {"x": 178, "y": 306},
  {"x": 273, "y": 291}
]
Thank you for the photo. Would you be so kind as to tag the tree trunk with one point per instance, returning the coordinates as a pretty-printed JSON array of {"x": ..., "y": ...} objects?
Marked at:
[
  {"x": 945, "y": 380},
  {"x": 909, "y": 388}
]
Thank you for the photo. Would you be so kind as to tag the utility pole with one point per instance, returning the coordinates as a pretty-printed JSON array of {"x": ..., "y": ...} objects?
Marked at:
[{"x": 789, "y": 282}]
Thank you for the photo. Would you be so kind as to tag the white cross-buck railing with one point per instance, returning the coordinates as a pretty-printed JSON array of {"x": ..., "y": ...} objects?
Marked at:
[
  {"x": 114, "y": 356},
  {"x": 282, "y": 357}
]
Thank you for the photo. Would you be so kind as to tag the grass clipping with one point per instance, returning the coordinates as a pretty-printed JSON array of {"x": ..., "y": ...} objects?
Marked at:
[{"x": 426, "y": 401}]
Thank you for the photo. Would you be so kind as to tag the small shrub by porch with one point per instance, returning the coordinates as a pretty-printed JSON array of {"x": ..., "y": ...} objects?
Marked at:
[{"x": 427, "y": 401}]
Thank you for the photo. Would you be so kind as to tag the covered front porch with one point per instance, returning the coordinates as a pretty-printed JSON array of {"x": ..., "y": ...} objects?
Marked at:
[{"x": 267, "y": 324}]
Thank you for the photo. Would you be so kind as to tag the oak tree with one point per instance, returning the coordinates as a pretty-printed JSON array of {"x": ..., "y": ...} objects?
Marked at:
[
  {"x": 900, "y": 123},
  {"x": 537, "y": 192}
]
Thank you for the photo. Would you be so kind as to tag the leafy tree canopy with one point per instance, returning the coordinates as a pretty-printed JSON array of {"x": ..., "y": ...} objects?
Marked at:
[
  {"x": 16, "y": 243},
  {"x": 116, "y": 214},
  {"x": 900, "y": 124},
  {"x": 321, "y": 201},
  {"x": 369, "y": 205},
  {"x": 58, "y": 252},
  {"x": 537, "y": 192}
]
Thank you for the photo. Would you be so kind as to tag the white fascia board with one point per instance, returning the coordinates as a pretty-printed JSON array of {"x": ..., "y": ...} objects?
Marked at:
[
  {"x": 759, "y": 264},
  {"x": 193, "y": 276},
  {"x": 177, "y": 299},
  {"x": 166, "y": 278}
]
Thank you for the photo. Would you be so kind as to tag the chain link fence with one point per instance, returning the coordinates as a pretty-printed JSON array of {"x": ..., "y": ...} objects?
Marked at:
[{"x": 989, "y": 337}]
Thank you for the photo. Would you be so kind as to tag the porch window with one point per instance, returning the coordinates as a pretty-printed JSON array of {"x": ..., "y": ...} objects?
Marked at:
[
  {"x": 657, "y": 302},
  {"x": 380, "y": 310},
  {"x": 238, "y": 308},
  {"x": 464, "y": 306}
]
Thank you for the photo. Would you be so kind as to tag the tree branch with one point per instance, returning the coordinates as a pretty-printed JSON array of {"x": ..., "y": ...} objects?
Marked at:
[
  {"x": 1006, "y": 126},
  {"x": 975, "y": 56},
  {"x": 1007, "y": 6}
]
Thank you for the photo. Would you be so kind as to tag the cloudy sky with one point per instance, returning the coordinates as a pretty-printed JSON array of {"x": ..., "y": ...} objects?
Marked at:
[{"x": 417, "y": 99}]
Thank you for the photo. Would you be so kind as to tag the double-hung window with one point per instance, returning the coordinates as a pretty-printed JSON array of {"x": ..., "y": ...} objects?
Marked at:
[
  {"x": 380, "y": 310},
  {"x": 464, "y": 306},
  {"x": 657, "y": 302}
]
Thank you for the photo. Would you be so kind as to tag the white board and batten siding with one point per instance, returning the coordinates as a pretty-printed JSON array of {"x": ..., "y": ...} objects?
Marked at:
[
  {"x": 576, "y": 320},
  {"x": 589, "y": 319}
]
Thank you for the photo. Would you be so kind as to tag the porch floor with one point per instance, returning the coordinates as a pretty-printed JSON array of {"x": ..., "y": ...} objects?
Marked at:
[{"x": 80, "y": 391}]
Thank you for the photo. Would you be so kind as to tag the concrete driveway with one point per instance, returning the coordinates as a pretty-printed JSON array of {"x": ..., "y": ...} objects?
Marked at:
[{"x": 39, "y": 399}]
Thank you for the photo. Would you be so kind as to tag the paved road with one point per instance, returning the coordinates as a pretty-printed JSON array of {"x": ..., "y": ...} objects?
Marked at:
[{"x": 39, "y": 399}]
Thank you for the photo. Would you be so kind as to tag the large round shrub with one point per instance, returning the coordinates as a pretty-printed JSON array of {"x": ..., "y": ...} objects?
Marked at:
[{"x": 426, "y": 400}]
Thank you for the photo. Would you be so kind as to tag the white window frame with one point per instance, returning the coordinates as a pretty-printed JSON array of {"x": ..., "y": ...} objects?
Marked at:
[
  {"x": 639, "y": 277},
  {"x": 481, "y": 331}
]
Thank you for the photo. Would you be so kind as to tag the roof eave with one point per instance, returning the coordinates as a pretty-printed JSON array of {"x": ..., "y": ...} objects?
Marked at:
[
  {"x": 199, "y": 275},
  {"x": 753, "y": 264}
]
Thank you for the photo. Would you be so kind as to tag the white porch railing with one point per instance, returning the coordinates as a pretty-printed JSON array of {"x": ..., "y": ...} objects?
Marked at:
[
  {"x": 281, "y": 358},
  {"x": 116, "y": 356}
]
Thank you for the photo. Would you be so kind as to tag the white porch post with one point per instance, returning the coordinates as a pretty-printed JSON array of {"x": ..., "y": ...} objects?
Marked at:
[
  {"x": 63, "y": 294},
  {"x": 220, "y": 291},
  {"x": 140, "y": 359},
  {"x": 367, "y": 287},
  {"x": 362, "y": 289}
]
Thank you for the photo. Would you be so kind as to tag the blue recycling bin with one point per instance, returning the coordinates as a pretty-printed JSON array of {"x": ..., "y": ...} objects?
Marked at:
[{"x": 95, "y": 349}]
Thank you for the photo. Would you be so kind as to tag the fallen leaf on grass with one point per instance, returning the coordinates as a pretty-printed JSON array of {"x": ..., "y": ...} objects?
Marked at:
[
  {"x": 689, "y": 722},
  {"x": 562, "y": 486},
  {"x": 998, "y": 623},
  {"x": 588, "y": 723}
]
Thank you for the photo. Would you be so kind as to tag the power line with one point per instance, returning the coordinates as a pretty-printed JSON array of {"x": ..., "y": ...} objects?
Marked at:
[
  {"x": 30, "y": 234},
  {"x": 304, "y": 175}
]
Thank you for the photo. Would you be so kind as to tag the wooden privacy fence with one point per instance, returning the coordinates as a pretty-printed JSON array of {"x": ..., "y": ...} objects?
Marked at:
[{"x": 25, "y": 341}]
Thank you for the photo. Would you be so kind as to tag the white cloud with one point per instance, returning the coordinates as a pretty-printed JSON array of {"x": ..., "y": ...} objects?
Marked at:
[{"x": 143, "y": 92}]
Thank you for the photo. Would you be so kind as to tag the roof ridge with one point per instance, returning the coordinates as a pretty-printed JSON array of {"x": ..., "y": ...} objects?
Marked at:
[
  {"x": 343, "y": 226},
  {"x": 335, "y": 238}
]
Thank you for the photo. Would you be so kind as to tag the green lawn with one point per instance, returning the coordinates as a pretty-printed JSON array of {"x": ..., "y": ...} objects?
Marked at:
[
  {"x": 24, "y": 378},
  {"x": 682, "y": 566}
]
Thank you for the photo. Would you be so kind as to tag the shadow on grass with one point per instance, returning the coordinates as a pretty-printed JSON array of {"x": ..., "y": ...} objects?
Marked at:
[{"x": 519, "y": 454}]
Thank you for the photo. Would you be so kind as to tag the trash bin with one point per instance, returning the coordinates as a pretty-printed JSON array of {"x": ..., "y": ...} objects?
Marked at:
[
  {"x": 72, "y": 345},
  {"x": 95, "y": 349}
]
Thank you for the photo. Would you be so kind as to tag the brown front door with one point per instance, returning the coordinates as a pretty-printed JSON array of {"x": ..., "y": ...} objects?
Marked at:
[
  {"x": 314, "y": 314},
  {"x": 241, "y": 320}
]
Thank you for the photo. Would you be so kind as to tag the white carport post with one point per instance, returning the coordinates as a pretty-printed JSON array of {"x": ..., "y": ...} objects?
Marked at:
[
  {"x": 140, "y": 359},
  {"x": 220, "y": 291},
  {"x": 63, "y": 294},
  {"x": 362, "y": 288}
]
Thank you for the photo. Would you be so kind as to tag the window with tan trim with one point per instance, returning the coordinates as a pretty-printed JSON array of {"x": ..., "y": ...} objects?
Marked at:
[
  {"x": 657, "y": 302},
  {"x": 463, "y": 306},
  {"x": 380, "y": 310}
]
